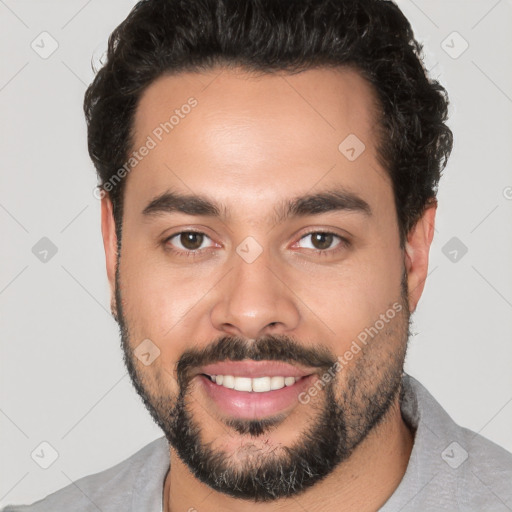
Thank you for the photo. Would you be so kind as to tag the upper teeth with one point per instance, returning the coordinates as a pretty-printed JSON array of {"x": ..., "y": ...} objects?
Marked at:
[{"x": 259, "y": 384}]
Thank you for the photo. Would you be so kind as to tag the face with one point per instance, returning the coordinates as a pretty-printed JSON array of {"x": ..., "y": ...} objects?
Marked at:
[{"x": 261, "y": 290}]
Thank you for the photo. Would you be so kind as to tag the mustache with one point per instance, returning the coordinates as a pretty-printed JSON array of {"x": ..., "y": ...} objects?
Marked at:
[{"x": 268, "y": 348}]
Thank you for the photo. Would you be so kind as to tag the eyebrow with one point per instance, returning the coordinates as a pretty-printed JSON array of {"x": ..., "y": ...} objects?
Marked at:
[{"x": 326, "y": 201}]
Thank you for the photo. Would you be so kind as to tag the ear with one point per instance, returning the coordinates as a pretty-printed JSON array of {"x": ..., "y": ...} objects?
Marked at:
[
  {"x": 108, "y": 232},
  {"x": 417, "y": 249}
]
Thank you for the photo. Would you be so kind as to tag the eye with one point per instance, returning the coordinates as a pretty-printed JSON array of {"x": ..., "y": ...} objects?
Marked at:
[
  {"x": 322, "y": 241},
  {"x": 188, "y": 241}
]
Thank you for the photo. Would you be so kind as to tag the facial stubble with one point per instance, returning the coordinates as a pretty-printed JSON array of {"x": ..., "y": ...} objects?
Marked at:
[{"x": 349, "y": 407}]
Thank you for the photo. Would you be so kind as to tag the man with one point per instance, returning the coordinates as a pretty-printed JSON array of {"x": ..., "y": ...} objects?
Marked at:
[{"x": 268, "y": 176}]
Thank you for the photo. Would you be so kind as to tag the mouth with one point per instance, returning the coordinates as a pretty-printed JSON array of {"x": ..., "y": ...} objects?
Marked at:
[
  {"x": 254, "y": 385},
  {"x": 254, "y": 389}
]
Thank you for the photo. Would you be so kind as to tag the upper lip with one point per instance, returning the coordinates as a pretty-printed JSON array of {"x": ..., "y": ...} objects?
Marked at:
[{"x": 254, "y": 369}]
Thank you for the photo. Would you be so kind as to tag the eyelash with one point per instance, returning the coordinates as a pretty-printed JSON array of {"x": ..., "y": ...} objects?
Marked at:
[{"x": 343, "y": 244}]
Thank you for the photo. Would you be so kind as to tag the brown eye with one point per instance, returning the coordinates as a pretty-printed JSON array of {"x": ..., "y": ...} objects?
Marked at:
[
  {"x": 191, "y": 241},
  {"x": 321, "y": 241},
  {"x": 188, "y": 242}
]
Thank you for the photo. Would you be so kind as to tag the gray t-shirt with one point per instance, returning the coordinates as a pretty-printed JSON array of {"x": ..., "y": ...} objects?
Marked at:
[{"x": 450, "y": 468}]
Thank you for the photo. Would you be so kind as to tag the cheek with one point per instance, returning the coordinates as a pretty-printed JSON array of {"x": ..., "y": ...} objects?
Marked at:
[
  {"x": 352, "y": 297},
  {"x": 160, "y": 302}
]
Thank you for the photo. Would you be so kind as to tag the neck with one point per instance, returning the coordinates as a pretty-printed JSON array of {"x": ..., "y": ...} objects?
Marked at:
[{"x": 362, "y": 483}]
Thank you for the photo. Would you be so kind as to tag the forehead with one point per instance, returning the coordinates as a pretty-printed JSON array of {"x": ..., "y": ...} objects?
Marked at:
[{"x": 231, "y": 132}]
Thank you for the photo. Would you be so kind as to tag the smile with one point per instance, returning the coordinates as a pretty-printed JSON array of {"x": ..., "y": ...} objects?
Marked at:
[
  {"x": 256, "y": 385},
  {"x": 253, "y": 389}
]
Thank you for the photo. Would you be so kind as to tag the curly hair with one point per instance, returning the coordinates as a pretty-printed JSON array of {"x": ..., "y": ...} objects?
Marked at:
[{"x": 371, "y": 36}]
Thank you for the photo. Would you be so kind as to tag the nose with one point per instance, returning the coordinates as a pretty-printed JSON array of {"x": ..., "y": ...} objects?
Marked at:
[{"x": 254, "y": 299}]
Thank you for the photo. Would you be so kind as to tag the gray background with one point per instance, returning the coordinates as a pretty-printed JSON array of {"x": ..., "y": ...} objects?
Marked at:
[{"x": 62, "y": 377}]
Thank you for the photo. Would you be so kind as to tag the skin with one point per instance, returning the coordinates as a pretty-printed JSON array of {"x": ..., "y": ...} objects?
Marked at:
[{"x": 252, "y": 142}]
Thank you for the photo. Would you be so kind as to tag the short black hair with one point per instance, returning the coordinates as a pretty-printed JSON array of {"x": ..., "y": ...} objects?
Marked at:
[{"x": 371, "y": 36}]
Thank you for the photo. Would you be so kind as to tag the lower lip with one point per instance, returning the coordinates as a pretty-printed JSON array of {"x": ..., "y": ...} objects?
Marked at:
[{"x": 254, "y": 405}]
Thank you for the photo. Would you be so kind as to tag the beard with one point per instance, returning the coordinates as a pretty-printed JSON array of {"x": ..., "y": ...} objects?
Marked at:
[{"x": 346, "y": 411}]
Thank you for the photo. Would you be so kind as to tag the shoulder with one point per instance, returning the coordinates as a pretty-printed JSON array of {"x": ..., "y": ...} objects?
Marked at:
[
  {"x": 480, "y": 450},
  {"x": 114, "y": 488},
  {"x": 485, "y": 471},
  {"x": 451, "y": 466}
]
